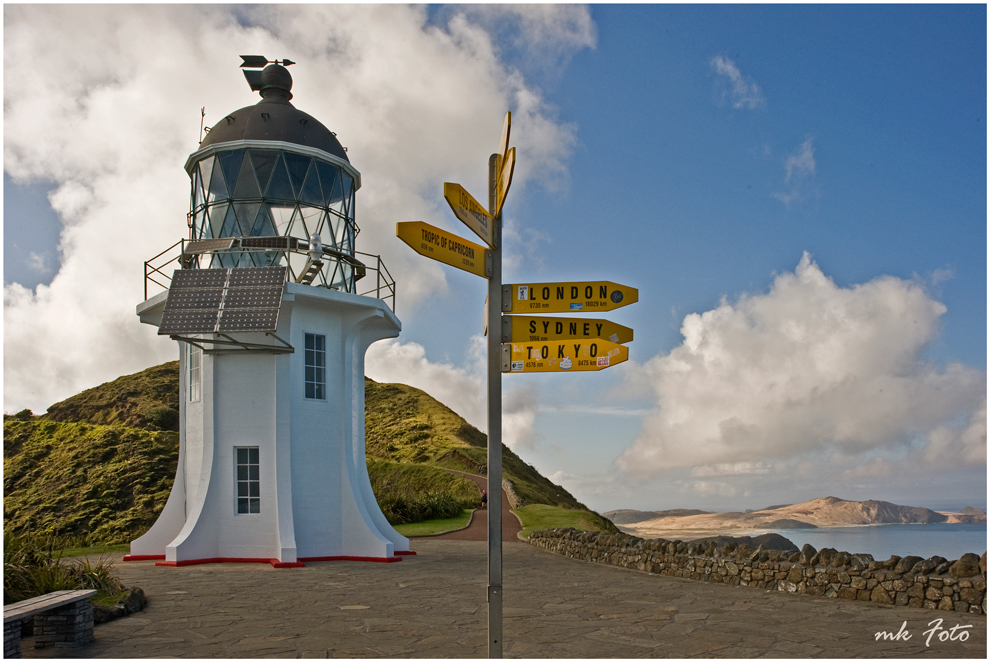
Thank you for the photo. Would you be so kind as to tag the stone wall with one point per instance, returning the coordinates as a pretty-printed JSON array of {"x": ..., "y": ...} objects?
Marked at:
[{"x": 934, "y": 583}]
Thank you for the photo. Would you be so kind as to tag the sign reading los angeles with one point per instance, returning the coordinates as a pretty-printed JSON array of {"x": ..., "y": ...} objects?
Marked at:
[
  {"x": 565, "y": 356},
  {"x": 524, "y": 328},
  {"x": 469, "y": 211},
  {"x": 588, "y": 296},
  {"x": 443, "y": 246}
]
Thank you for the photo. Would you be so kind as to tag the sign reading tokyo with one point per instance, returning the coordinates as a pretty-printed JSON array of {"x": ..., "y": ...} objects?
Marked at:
[
  {"x": 588, "y": 296},
  {"x": 523, "y": 328},
  {"x": 444, "y": 247},
  {"x": 565, "y": 356},
  {"x": 469, "y": 211}
]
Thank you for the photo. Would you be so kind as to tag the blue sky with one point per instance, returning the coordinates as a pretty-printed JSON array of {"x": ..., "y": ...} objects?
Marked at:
[{"x": 694, "y": 152}]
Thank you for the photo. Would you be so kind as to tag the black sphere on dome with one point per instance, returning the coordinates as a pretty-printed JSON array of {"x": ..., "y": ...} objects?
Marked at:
[{"x": 275, "y": 119}]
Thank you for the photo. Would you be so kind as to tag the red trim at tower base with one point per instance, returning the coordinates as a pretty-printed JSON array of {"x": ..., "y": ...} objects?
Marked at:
[
  {"x": 144, "y": 557},
  {"x": 409, "y": 553},
  {"x": 275, "y": 563},
  {"x": 370, "y": 559}
]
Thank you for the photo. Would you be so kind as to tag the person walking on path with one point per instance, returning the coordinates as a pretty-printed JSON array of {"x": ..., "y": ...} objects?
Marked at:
[{"x": 484, "y": 500}]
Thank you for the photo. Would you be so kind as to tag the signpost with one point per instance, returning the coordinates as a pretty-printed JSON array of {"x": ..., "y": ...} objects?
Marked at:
[
  {"x": 525, "y": 328},
  {"x": 563, "y": 356},
  {"x": 533, "y": 344},
  {"x": 597, "y": 296}
]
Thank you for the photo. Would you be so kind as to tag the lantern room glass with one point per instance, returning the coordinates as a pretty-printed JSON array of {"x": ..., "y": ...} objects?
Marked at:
[{"x": 249, "y": 192}]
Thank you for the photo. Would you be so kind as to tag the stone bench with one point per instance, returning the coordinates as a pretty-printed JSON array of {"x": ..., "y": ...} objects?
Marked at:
[{"x": 62, "y": 619}]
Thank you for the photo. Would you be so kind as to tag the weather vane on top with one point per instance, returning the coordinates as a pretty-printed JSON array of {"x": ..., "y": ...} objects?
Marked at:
[{"x": 258, "y": 62}]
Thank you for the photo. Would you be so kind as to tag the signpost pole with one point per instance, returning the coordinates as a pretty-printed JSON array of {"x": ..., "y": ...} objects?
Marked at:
[{"x": 495, "y": 422}]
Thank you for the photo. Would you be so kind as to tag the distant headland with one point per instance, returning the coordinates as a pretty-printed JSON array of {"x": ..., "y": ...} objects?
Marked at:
[{"x": 823, "y": 512}]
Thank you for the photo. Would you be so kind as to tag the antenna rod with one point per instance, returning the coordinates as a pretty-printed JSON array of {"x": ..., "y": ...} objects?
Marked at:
[{"x": 202, "y": 117}]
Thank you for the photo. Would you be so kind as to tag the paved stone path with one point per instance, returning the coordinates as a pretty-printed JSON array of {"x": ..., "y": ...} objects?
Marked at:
[
  {"x": 433, "y": 605},
  {"x": 478, "y": 528}
]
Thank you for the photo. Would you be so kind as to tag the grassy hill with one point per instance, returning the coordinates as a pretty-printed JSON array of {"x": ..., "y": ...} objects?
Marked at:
[{"x": 99, "y": 465}]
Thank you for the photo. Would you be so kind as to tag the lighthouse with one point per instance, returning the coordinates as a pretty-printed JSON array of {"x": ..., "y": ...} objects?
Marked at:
[{"x": 272, "y": 309}]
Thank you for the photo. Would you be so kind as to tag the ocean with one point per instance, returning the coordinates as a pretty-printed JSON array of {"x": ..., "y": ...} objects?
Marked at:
[{"x": 885, "y": 540}]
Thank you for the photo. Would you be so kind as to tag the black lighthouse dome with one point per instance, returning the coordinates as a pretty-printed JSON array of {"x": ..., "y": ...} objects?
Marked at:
[{"x": 274, "y": 118}]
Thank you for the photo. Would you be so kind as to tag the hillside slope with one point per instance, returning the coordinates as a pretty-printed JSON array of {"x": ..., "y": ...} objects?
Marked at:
[{"x": 100, "y": 464}]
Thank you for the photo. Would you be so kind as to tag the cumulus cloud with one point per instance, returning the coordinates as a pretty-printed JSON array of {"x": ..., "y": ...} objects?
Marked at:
[
  {"x": 799, "y": 169},
  {"x": 807, "y": 372},
  {"x": 416, "y": 104},
  {"x": 743, "y": 92}
]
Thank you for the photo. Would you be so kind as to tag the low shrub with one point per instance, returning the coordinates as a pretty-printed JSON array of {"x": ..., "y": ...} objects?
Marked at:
[
  {"x": 34, "y": 566},
  {"x": 409, "y": 508}
]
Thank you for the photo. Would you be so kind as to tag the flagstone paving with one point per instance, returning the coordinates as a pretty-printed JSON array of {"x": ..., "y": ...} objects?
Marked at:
[{"x": 433, "y": 605}]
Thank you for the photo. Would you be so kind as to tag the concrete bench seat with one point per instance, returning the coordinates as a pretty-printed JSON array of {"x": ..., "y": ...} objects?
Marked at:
[{"x": 62, "y": 619}]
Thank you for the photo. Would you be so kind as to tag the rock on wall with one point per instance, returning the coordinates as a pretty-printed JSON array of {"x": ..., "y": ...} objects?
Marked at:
[{"x": 934, "y": 583}]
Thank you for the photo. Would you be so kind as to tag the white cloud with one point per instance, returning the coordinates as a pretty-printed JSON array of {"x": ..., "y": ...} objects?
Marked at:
[
  {"x": 416, "y": 104},
  {"x": 799, "y": 169},
  {"x": 745, "y": 93},
  {"x": 806, "y": 371},
  {"x": 39, "y": 262}
]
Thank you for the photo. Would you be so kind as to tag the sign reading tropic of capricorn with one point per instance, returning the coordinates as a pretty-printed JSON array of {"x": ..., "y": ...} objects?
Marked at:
[{"x": 525, "y": 343}]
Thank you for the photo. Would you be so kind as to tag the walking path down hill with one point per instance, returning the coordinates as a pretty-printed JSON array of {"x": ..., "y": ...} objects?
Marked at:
[
  {"x": 478, "y": 528},
  {"x": 434, "y": 605}
]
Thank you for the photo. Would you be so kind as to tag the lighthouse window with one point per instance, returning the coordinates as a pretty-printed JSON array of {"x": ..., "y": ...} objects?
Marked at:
[
  {"x": 248, "y": 481},
  {"x": 195, "y": 373},
  {"x": 316, "y": 367}
]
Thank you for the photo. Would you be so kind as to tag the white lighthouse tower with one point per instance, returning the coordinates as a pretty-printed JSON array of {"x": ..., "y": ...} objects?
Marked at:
[{"x": 272, "y": 334}]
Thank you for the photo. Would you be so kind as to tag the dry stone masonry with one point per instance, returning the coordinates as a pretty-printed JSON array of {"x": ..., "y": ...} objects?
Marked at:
[{"x": 911, "y": 581}]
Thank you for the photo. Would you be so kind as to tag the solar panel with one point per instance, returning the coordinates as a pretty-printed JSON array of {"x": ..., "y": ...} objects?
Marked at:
[
  {"x": 273, "y": 243},
  {"x": 256, "y": 277},
  {"x": 207, "y": 245},
  {"x": 261, "y": 319},
  {"x": 182, "y": 278},
  {"x": 223, "y": 300}
]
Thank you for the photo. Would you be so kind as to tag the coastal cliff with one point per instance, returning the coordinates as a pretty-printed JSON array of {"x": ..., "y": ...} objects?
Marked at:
[{"x": 822, "y": 512}]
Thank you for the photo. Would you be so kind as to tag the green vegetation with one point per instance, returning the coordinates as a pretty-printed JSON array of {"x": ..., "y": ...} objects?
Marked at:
[
  {"x": 96, "y": 550},
  {"x": 35, "y": 566},
  {"x": 435, "y": 526},
  {"x": 410, "y": 493},
  {"x": 537, "y": 516},
  {"x": 405, "y": 424},
  {"x": 99, "y": 466},
  {"x": 105, "y": 484}
]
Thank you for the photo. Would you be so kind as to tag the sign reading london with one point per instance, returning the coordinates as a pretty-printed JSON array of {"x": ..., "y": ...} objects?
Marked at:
[
  {"x": 443, "y": 246},
  {"x": 469, "y": 211},
  {"x": 565, "y": 356},
  {"x": 588, "y": 296},
  {"x": 523, "y": 328}
]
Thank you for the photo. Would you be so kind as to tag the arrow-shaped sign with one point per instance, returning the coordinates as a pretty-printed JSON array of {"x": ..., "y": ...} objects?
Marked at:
[
  {"x": 470, "y": 212},
  {"x": 524, "y": 328},
  {"x": 580, "y": 297},
  {"x": 504, "y": 180},
  {"x": 444, "y": 247},
  {"x": 563, "y": 356}
]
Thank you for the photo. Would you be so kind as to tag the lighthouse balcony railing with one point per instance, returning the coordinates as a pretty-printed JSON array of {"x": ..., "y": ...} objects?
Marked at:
[{"x": 158, "y": 270}]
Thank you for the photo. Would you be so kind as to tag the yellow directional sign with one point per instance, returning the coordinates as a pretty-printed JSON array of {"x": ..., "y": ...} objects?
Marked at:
[
  {"x": 524, "y": 328},
  {"x": 444, "y": 247},
  {"x": 504, "y": 180},
  {"x": 470, "y": 212},
  {"x": 503, "y": 144},
  {"x": 581, "y": 297},
  {"x": 564, "y": 356}
]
